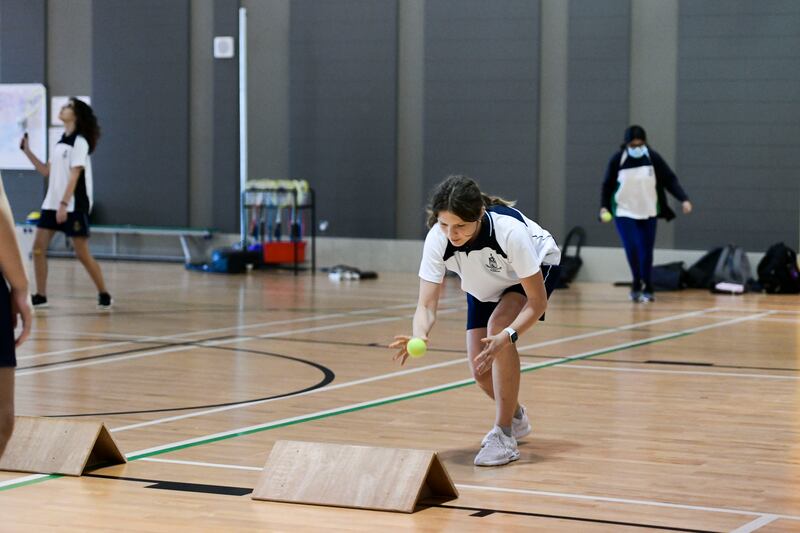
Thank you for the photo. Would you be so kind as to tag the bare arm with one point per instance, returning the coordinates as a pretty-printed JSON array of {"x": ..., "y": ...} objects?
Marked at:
[
  {"x": 41, "y": 168},
  {"x": 535, "y": 306},
  {"x": 74, "y": 175},
  {"x": 427, "y": 305},
  {"x": 12, "y": 268},
  {"x": 532, "y": 311},
  {"x": 424, "y": 317}
]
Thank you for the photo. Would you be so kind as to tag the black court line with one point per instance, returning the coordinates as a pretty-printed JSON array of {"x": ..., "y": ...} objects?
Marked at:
[
  {"x": 150, "y": 346},
  {"x": 223, "y": 490},
  {"x": 675, "y": 363},
  {"x": 328, "y": 376},
  {"x": 542, "y": 356},
  {"x": 480, "y": 512},
  {"x": 207, "y": 310}
]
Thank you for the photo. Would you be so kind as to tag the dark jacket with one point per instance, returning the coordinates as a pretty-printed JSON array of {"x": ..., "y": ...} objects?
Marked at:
[{"x": 665, "y": 180}]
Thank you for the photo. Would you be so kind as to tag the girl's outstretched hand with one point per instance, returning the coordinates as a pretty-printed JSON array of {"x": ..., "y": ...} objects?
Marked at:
[{"x": 400, "y": 342}]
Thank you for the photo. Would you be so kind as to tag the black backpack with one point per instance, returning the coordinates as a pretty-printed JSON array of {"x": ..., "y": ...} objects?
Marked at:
[
  {"x": 728, "y": 264},
  {"x": 733, "y": 266},
  {"x": 571, "y": 264},
  {"x": 777, "y": 271},
  {"x": 669, "y": 276},
  {"x": 700, "y": 274}
]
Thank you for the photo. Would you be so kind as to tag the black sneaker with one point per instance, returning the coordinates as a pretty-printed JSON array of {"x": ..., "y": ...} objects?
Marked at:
[
  {"x": 104, "y": 301},
  {"x": 39, "y": 301}
]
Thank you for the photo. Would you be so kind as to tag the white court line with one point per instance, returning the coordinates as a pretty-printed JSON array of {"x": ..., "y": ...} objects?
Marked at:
[
  {"x": 229, "y": 328},
  {"x": 685, "y": 372},
  {"x": 771, "y": 319},
  {"x": 196, "y": 463},
  {"x": 24, "y": 479},
  {"x": 740, "y": 310},
  {"x": 77, "y": 335},
  {"x": 623, "y": 328},
  {"x": 152, "y": 288},
  {"x": 648, "y": 340},
  {"x": 624, "y": 500},
  {"x": 381, "y": 377},
  {"x": 758, "y": 523},
  {"x": 338, "y": 410},
  {"x": 761, "y": 521},
  {"x": 66, "y": 365},
  {"x": 748, "y": 318}
]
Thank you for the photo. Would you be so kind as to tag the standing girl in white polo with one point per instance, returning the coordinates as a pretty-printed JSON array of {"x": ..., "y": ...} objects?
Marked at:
[
  {"x": 508, "y": 268},
  {"x": 68, "y": 202}
]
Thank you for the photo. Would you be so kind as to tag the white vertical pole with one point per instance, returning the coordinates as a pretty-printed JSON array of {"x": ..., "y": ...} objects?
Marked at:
[{"x": 242, "y": 120}]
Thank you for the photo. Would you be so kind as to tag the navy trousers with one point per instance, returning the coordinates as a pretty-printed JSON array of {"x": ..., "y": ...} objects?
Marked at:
[{"x": 639, "y": 239}]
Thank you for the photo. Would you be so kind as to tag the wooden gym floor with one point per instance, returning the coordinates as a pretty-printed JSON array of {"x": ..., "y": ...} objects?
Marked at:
[{"x": 683, "y": 415}]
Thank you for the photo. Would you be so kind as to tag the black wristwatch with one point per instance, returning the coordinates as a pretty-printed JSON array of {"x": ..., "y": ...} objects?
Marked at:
[{"x": 512, "y": 335}]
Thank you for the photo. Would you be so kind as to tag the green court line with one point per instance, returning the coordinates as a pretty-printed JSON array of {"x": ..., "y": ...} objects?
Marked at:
[
  {"x": 361, "y": 407},
  {"x": 44, "y": 477}
]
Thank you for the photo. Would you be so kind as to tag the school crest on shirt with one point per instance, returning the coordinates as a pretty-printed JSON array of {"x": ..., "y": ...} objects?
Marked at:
[{"x": 492, "y": 265}]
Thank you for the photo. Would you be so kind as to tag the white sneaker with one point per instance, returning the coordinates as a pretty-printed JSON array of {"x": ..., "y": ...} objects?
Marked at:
[
  {"x": 520, "y": 427},
  {"x": 499, "y": 449}
]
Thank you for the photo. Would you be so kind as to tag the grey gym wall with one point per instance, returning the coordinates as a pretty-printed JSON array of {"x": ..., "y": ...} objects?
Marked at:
[
  {"x": 23, "y": 34},
  {"x": 597, "y": 106},
  {"x": 201, "y": 121},
  {"x": 225, "y": 112},
  {"x": 343, "y": 71},
  {"x": 553, "y": 117},
  {"x": 410, "y": 212},
  {"x": 482, "y": 95},
  {"x": 739, "y": 122},
  {"x": 214, "y": 85},
  {"x": 69, "y": 48},
  {"x": 654, "y": 86},
  {"x": 140, "y": 90},
  {"x": 268, "y": 87}
]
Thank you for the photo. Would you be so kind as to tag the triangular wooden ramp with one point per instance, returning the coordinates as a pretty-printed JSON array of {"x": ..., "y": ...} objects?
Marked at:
[
  {"x": 364, "y": 477},
  {"x": 59, "y": 446}
]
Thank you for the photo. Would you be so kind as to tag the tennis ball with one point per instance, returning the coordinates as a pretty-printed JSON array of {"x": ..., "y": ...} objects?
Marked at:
[
  {"x": 416, "y": 347},
  {"x": 606, "y": 216}
]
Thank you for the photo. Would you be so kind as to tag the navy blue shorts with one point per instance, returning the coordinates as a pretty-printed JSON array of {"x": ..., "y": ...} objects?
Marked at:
[
  {"x": 478, "y": 312},
  {"x": 77, "y": 224},
  {"x": 8, "y": 357}
]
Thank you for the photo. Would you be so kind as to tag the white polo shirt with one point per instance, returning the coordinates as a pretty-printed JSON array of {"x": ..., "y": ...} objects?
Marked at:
[
  {"x": 636, "y": 195},
  {"x": 509, "y": 247},
  {"x": 70, "y": 152}
]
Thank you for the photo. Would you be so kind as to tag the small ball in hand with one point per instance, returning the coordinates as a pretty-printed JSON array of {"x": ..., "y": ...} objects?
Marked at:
[
  {"x": 416, "y": 347},
  {"x": 606, "y": 216}
]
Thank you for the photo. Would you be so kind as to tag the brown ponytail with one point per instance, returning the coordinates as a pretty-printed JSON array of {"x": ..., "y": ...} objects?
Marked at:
[
  {"x": 461, "y": 196},
  {"x": 489, "y": 201}
]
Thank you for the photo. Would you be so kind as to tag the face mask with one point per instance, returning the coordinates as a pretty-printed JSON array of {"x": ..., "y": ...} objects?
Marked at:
[{"x": 637, "y": 151}]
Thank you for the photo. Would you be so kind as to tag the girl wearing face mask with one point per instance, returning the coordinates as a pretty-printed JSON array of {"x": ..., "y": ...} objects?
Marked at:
[
  {"x": 633, "y": 193},
  {"x": 508, "y": 267}
]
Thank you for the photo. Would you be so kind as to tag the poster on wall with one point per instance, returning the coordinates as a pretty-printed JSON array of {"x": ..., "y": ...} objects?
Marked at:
[
  {"x": 57, "y": 102},
  {"x": 23, "y": 109}
]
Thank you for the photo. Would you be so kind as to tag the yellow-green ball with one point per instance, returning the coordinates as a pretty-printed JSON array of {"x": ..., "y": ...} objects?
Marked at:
[
  {"x": 606, "y": 216},
  {"x": 416, "y": 347}
]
